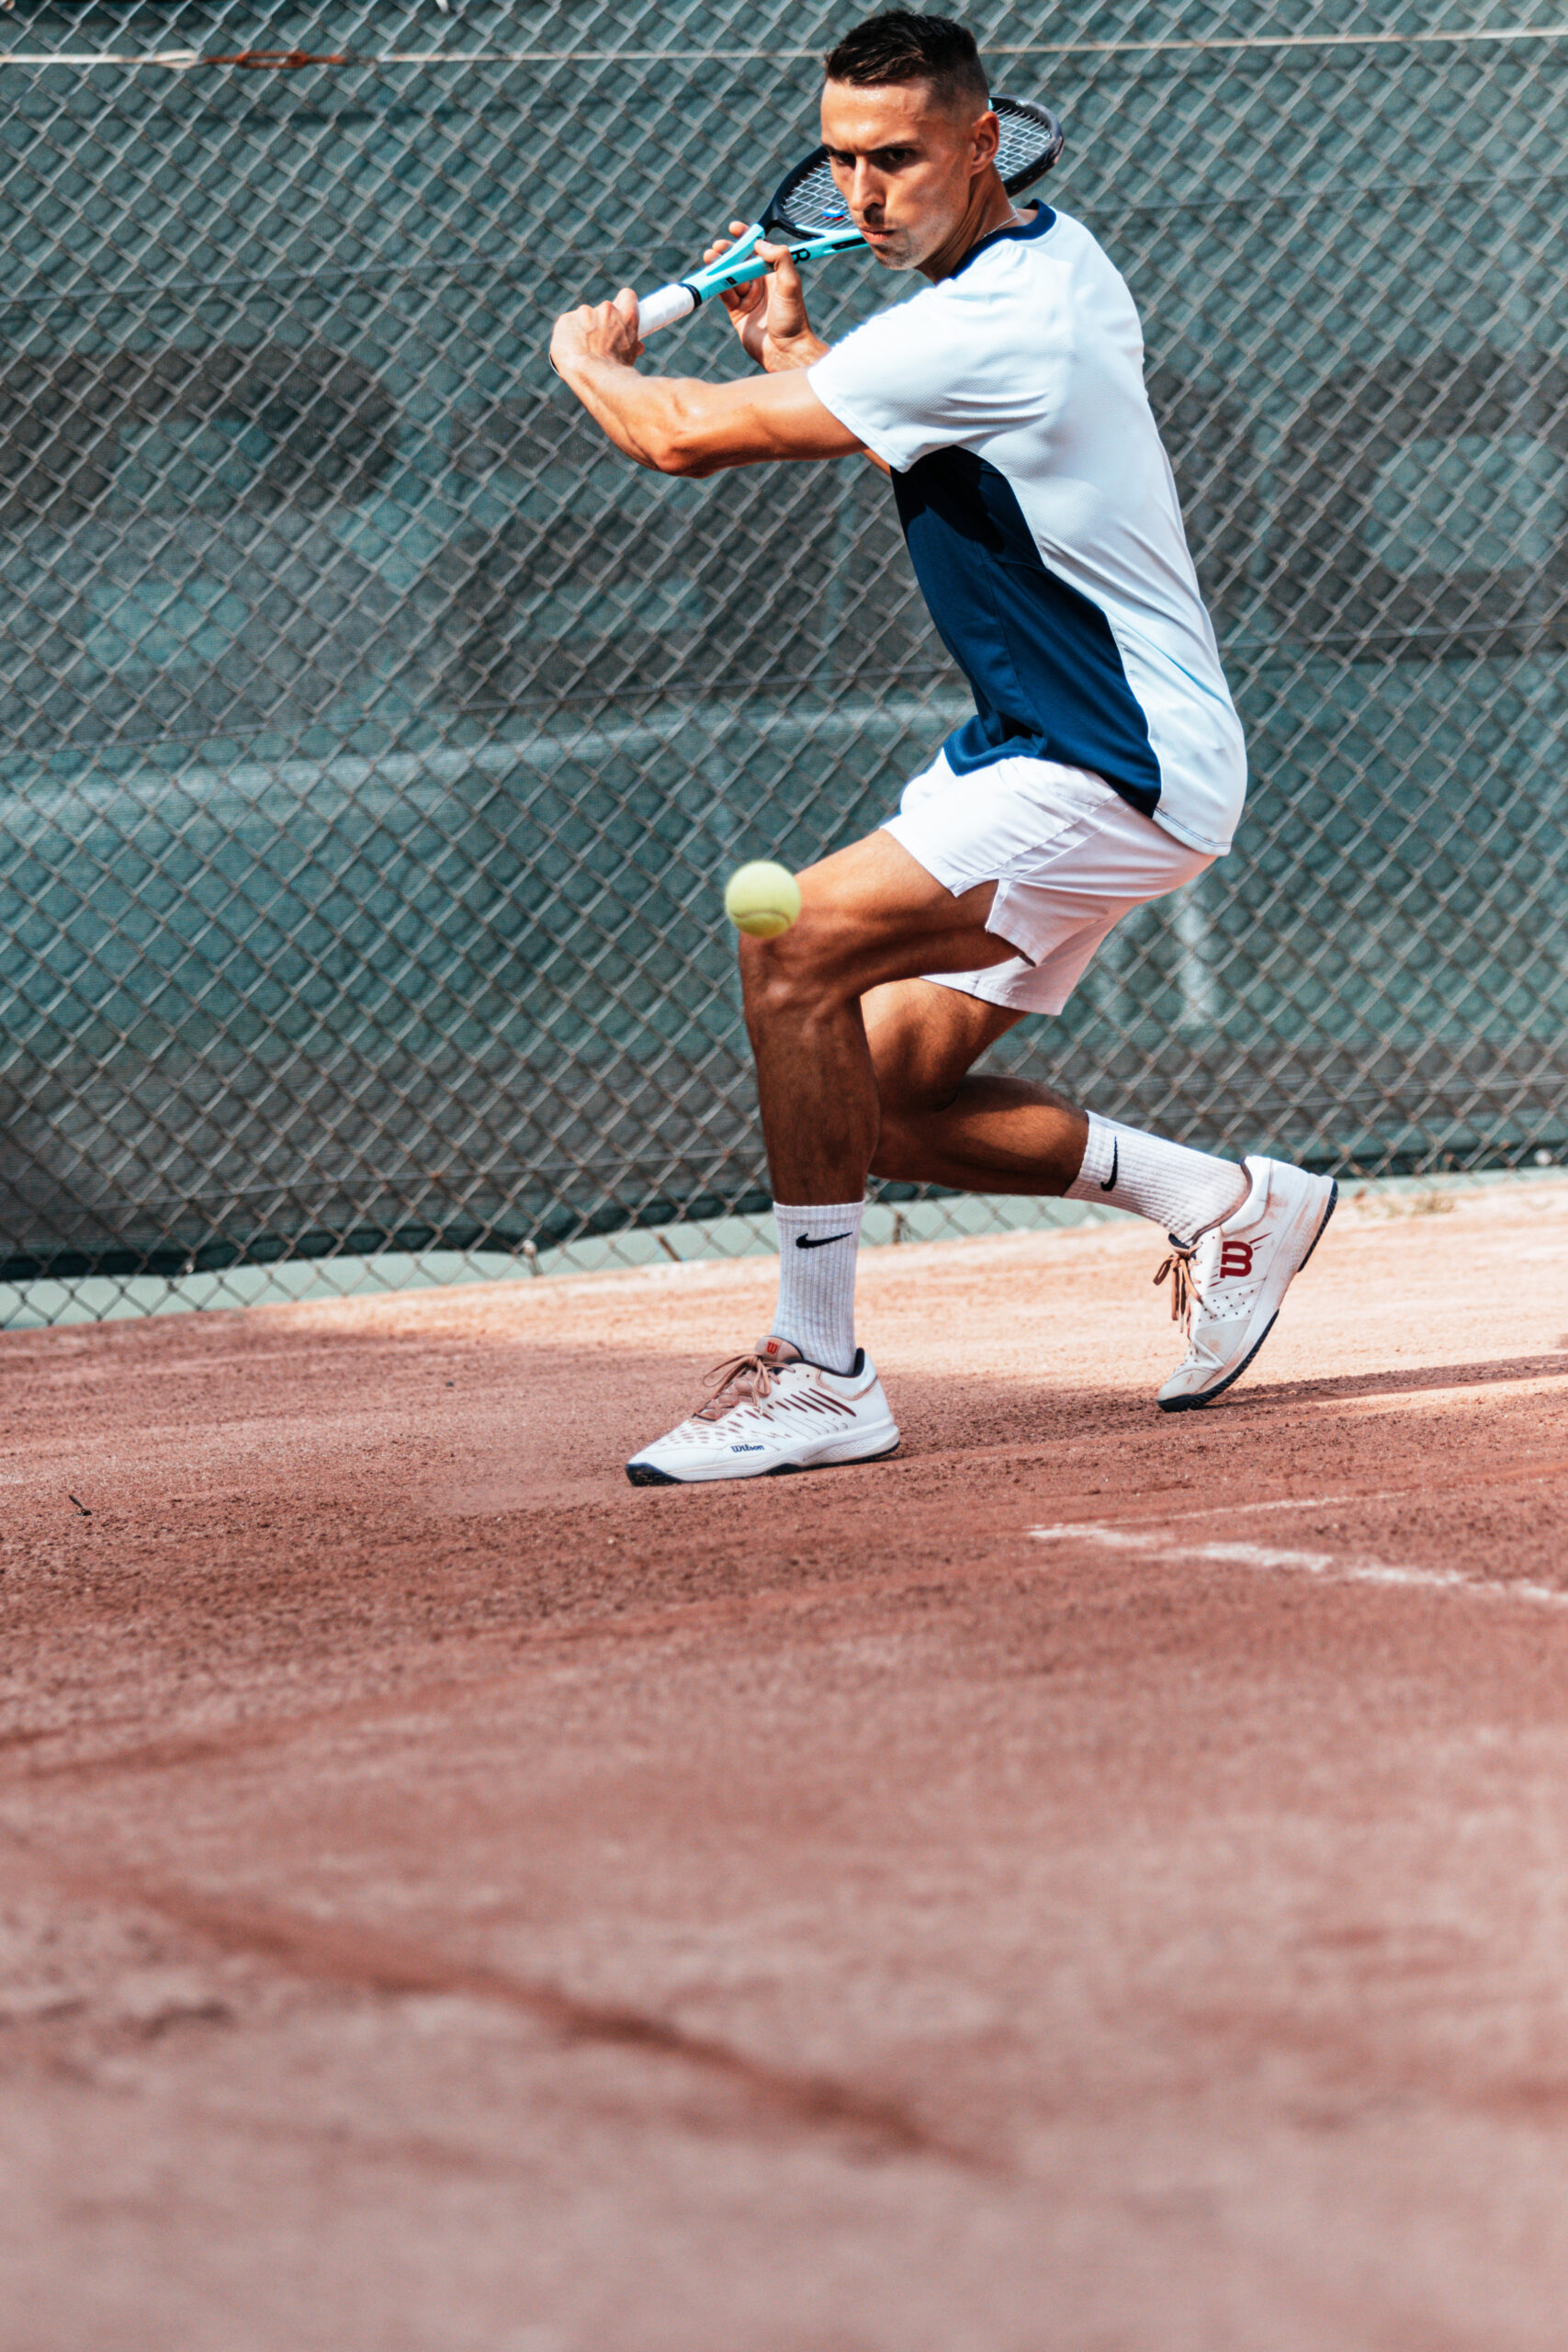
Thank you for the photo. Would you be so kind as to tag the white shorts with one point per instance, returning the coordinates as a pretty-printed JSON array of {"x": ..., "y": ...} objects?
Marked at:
[{"x": 1068, "y": 857}]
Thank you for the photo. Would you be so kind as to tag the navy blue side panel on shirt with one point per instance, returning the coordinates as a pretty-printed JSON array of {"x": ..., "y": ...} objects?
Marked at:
[{"x": 1045, "y": 669}]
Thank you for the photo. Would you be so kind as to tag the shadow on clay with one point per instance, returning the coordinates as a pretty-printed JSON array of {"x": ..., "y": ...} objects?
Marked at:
[{"x": 1404, "y": 1383}]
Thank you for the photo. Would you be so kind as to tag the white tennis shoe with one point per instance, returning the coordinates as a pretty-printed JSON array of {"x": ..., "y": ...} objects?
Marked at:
[
  {"x": 1227, "y": 1285},
  {"x": 772, "y": 1411}
]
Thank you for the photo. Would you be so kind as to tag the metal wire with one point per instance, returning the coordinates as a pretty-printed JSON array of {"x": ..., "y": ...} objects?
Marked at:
[
  {"x": 376, "y": 741},
  {"x": 182, "y": 59}
]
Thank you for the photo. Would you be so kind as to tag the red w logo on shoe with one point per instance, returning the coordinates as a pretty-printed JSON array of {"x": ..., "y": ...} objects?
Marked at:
[{"x": 1235, "y": 1259}]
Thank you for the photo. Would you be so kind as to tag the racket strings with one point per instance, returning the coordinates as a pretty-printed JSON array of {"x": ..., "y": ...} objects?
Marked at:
[
  {"x": 811, "y": 205},
  {"x": 1030, "y": 142}
]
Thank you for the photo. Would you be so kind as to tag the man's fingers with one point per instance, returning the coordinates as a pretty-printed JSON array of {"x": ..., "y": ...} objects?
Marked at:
[
  {"x": 721, "y": 244},
  {"x": 566, "y": 336},
  {"x": 598, "y": 330},
  {"x": 785, "y": 276},
  {"x": 623, "y": 311}
]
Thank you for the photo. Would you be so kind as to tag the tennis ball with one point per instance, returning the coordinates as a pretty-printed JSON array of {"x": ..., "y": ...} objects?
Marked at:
[{"x": 761, "y": 898}]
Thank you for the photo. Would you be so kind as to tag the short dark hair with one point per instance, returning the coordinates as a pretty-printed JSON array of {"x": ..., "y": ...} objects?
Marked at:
[{"x": 899, "y": 45}]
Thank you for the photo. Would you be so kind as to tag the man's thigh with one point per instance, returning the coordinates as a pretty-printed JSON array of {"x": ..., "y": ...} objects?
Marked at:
[{"x": 870, "y": 914}]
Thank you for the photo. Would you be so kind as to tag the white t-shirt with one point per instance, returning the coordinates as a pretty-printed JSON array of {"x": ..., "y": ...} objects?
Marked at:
[{"x": 1043, "y": 522}]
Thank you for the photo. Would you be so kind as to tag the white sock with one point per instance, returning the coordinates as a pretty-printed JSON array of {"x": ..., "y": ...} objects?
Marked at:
[
  {"x": 817, "y": 1281},
  {"x": 1182, "y": 1190}
]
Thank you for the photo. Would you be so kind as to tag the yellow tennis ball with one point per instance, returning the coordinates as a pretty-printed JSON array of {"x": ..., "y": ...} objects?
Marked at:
[{"x": 761, "y": 898}]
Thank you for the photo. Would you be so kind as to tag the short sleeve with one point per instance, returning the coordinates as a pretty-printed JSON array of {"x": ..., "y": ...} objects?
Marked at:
[{"x": 952, "y": 365}]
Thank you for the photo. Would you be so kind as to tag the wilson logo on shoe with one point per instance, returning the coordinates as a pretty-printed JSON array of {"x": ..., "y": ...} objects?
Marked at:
[
  {"x": 1235, "y": 1259},
  {"x": 746, "y": 1449}
]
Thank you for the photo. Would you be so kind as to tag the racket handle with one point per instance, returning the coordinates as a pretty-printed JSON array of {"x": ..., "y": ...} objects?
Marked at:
[{"x": 663, "y": 307}]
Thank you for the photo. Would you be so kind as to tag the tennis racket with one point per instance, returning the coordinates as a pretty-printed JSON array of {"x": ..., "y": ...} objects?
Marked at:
[{"x": 807, "y": 213}]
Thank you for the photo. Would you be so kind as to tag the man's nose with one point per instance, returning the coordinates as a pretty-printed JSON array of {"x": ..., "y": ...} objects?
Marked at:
[{"x": 865, "y": 189}]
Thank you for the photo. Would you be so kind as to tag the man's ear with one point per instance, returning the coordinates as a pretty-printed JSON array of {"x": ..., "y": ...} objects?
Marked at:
[{"x": 987, "y": 134}]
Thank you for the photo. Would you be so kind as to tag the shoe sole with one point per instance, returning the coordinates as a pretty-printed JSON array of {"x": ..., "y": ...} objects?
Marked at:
[
  {"x": 1208, "y": 1395},
  {"x": 643, "y": 1474}
]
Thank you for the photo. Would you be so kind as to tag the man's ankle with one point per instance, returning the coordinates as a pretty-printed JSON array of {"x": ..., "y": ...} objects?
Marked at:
[
  {"x": 1183, "y": 1191},
  {"x": 816, "y": 1312}
]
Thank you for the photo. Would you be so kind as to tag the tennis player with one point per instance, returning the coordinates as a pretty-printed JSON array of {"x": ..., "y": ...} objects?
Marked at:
[{"x": 1104, "y": 767}]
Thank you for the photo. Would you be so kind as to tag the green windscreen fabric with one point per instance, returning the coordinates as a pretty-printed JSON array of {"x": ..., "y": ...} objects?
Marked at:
[{"x": 375, "y": 741}]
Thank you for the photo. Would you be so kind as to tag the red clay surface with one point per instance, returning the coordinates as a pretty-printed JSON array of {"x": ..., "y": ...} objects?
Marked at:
[{"x": 455, "y": 1902}]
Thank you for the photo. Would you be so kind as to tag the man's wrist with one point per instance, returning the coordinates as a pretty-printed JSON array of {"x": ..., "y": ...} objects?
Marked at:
[
  {"x": 591, "y": 370},
  {"x": 801, "y": 351}
]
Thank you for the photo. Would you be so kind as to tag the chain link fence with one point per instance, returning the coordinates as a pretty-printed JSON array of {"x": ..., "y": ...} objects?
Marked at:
[{"x": 376, "y": 739}]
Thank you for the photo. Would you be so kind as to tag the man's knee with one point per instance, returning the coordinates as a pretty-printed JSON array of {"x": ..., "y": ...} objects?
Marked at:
[
  {"x": 923, "y": 1039},
  {"x": 800, "y": 972},
  {"x": 909, "y": 1082}
]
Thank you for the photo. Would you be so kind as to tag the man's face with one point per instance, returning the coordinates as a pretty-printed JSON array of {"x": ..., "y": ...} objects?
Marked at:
[{"x": 905, "y": 164}]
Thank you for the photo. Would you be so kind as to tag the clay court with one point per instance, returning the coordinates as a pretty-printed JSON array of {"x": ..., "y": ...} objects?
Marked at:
[{"x": 1099, "y": 1880}]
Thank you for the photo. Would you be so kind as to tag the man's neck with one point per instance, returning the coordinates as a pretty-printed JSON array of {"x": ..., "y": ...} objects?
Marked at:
[{"x": 989, "y": 209}]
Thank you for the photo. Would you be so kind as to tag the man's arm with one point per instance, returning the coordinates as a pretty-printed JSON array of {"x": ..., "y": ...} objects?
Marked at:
[
  {"x": 678, "y": 425},
  {"x": 769, "y": 316}
]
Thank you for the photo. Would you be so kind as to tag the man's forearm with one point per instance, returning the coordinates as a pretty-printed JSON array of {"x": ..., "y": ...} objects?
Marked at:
[
  {"x": 679, "y": 426},
  {"x": 676, "y": 424},
  {"x": 643, "y": 415}
]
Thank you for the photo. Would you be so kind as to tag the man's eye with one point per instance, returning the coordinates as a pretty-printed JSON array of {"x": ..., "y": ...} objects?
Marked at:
[{"x": 882, "y": 159}]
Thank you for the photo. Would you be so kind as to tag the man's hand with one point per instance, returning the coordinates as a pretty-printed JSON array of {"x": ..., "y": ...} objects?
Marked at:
[
  {"x": 598, "y": 332},
  {"x": 676, "y": 426},
  {"x": 769, "y": 316}
]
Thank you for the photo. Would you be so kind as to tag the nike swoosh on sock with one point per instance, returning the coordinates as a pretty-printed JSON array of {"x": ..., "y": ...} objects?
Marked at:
[
  {"x": 817, "y": 1240},
  {"x": 1108, "y": 1183}
]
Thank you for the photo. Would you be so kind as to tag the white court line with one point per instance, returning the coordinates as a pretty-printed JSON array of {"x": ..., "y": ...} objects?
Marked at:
[
  {"x": 1287, "y": 1502},
  {"x": 1324, "y": 1502},
  {"x": 1324, "y": 1564}
]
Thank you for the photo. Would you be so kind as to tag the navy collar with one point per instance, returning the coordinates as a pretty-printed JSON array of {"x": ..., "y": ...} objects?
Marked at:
[{"x": 1044, "y": 219}]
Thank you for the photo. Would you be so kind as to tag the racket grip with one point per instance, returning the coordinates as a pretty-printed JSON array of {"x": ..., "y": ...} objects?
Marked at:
[{"x": 663, "y": 307}]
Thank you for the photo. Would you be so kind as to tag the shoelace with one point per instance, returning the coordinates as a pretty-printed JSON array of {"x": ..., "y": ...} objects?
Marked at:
[
  {"x": 1184, "y": 1291},
  {"x": 752, "y": 1378}
]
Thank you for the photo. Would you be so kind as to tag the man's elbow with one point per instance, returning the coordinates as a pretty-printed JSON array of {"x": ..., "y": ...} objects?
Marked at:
[
  {"x": 674, "y": 450},
  {"x": 679, "y": 437}
]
